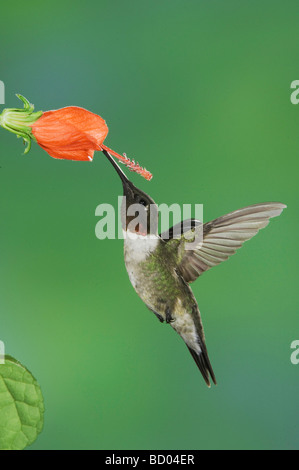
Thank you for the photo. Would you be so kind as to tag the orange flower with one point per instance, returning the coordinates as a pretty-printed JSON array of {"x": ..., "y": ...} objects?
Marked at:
[{"x": 70, "y": 133}]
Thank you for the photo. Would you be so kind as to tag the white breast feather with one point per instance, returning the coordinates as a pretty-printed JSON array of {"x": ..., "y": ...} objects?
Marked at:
[{"x": 138, "y": 247}]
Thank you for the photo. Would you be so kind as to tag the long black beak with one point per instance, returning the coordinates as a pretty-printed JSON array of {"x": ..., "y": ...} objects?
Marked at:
[{"x": 125, "y": 181}]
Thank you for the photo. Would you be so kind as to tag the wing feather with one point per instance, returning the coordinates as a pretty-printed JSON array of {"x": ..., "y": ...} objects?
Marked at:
[{"x": 221, "y": 237}]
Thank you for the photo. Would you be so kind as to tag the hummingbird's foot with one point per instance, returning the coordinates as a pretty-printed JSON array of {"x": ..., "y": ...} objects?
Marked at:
[
  {"x": 169, "y": 318},
  {"x": 160, "y": 318}
]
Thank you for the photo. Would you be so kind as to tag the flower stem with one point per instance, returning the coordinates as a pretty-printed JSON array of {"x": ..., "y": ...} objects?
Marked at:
[{"x": 19, "y": 121}]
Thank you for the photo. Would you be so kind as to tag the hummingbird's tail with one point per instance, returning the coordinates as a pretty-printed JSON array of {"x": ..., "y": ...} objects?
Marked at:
[
  {"x": 188, "y": 324},
  {"x": 203, "y": 363}
]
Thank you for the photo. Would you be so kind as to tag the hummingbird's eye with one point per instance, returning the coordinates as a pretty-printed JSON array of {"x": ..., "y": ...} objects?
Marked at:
[{"x": 143, "y": 202}]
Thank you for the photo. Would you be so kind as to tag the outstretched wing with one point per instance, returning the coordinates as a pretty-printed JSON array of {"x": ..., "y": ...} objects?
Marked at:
[{"x": 220, "y": 238}]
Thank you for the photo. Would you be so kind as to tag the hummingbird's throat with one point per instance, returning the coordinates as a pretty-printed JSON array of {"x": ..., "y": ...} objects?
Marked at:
[
  {"x": 140, "y": 230},
  {"x": 135, "y": 227}
]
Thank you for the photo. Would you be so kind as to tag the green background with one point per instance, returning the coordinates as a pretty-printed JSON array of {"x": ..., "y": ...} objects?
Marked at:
[{"x": 199, "y": 93}]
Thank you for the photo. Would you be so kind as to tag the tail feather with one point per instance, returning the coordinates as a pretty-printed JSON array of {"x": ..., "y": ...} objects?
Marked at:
[{"x": 203, "y": 363}]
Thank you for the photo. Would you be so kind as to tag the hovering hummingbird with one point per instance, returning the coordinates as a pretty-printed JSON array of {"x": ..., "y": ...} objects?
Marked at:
[{"x": 162, "y": 266}]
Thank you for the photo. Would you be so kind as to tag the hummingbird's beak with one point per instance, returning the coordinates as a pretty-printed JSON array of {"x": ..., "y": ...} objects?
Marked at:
[{"x": 125, "y": 181}]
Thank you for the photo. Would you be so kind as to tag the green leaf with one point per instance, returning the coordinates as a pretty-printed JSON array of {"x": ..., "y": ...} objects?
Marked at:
[{"x": 21, "y": 406}]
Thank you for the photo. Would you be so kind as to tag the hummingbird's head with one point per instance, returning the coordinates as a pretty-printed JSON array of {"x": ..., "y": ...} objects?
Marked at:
[{"x": 139, "y": 211}]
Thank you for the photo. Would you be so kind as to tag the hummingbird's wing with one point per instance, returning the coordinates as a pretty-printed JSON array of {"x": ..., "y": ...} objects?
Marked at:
[{"x": 218, "y": 239}]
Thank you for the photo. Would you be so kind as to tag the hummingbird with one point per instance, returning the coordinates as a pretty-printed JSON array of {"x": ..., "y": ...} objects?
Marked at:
[{"x": 162, "y": 266}]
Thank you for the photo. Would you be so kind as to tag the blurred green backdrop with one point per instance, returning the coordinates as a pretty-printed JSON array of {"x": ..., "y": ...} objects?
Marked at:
[{"x": 199, "y": 92}]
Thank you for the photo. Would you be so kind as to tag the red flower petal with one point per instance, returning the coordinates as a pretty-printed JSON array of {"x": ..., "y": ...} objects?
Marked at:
[
  {"x": 78, "y": 155},
  {"x": 71, "y": 133}
]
